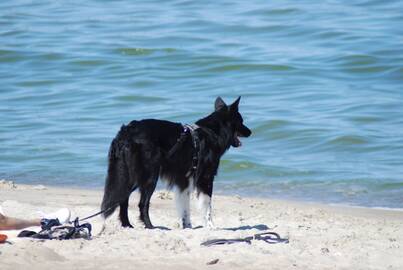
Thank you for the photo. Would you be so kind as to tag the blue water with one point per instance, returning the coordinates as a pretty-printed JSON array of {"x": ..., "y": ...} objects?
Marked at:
[{"x": 321, "y": 85}]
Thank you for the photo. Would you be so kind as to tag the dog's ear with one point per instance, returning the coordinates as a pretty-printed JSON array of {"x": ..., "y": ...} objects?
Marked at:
[
  {"x": 219, "y": 104},
  {"x": 234, "y": 106}
]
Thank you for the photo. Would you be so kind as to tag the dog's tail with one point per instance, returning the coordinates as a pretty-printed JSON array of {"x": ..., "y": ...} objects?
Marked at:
[
  {"x": 118, "y": 183},
  {"x": 111, "y": 199}
]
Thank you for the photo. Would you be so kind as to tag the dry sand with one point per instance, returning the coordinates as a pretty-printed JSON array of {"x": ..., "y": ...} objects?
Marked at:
[{"x": 320, "y": 236}]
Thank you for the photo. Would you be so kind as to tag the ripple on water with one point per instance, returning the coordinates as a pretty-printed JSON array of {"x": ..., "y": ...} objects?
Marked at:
[
  {"x": 250, "y": 68},
  {"x": 142, "y": 51},
  {"x": 137, "y": 98}
]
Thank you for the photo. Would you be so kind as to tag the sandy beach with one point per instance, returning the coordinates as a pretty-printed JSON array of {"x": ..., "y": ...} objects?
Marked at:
[{"x": 320, "y": 236}]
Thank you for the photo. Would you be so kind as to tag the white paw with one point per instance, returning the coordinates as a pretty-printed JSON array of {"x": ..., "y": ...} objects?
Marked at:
[{"x": 210, "y": 225}]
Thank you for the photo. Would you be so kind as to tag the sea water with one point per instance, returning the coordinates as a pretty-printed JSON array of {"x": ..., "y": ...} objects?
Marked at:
[{"x": 321, "y": 85}]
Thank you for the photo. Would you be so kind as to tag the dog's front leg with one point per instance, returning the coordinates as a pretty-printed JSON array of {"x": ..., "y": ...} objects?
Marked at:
[
  {"x": 204, "y": 186},
  {"x": 182, "y": 198},
  {"x": 205, "y": 207}
]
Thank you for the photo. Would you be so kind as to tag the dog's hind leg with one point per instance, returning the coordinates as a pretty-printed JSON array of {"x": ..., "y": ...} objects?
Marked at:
[
  {"x": 121, "y": 181},
  {"x": 182, "y": 198},
  {"x": 146, "y": 191},
  {"x": 123, "y": 214},
  {"x": 131, "y": 174}
]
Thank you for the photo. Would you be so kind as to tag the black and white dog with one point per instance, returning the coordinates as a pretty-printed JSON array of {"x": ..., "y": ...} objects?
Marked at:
[{"x": 185, "y": 156}]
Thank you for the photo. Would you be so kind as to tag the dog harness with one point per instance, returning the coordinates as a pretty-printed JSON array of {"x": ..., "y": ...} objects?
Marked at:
[
  {"x": 196, "y": 147},
  {"x": 188, "y": 129}
]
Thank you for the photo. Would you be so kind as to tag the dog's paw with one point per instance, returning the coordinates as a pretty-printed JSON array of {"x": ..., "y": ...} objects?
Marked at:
[
  {"x": 149, "y": 227},
  {"x": 187, "y": 226},
  {"x": 127, "y": 225},
  {"x": 210, "y": 225}
]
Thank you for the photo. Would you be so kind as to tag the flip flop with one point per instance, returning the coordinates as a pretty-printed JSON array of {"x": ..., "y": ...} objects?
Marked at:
[{"x": 3, "y": 238}]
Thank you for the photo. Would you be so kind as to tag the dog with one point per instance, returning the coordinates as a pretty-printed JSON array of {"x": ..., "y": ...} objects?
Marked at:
[{"x": 187, "y": 157}]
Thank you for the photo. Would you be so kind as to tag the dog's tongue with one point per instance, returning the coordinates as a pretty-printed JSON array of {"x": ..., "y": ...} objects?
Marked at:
[{"x": 238, "y": 142}]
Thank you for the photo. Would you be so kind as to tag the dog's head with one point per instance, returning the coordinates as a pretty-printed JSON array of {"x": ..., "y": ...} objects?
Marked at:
[{"x": 234, "y": 120}]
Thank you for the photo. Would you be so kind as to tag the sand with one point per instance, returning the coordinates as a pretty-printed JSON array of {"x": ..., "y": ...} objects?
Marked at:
[{"x": 320, "y": 236}]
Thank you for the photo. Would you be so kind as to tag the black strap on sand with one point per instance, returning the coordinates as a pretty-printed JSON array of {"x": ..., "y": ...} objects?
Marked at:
[{"x": 268, "y": 237}]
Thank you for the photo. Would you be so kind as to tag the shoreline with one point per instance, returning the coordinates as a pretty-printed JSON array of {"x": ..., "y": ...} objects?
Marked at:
[
  {"x": 4, "y": 182},
  {"x": 320, "y": 236}
]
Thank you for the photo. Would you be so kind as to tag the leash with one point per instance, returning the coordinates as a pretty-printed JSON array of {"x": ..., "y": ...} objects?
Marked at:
[
  {"x": 97, "y": 213},
  {"x": 268, "y": 237},
  {"x": 103, "y": 211}
]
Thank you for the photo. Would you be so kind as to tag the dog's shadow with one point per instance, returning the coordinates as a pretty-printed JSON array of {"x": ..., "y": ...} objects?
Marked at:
[{"x": 163, "y": 228}]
